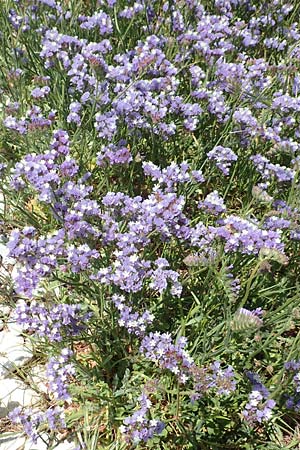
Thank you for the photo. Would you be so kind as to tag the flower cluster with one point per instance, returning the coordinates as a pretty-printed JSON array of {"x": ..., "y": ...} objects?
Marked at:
[
  {"x": 214, "y": 377},
  {"x": 293, "y": 401},
  {"x": 139, "y": 427},
  {"x": 159, "y": 348},
  {"x": 213, "y": 203},
  {"x": 259, "y": 407},
  {"x": 39, "y": 257},
  {"x": 257, "y": 410},
  {"x": 144, "y": 100},
  {"x": 268, "y": 169},
  {"x": 132, "y": 321},
  {"x": 223, "y": 156},
  {"x": 53, "y": 322},
  {"x": 53, "y": 418},
  {"x": 59, "y": 371}
]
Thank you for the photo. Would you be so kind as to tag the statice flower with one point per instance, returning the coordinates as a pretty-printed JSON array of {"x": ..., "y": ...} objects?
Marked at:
[
  {"x": 55, "y": 418},
  {"x": 172, "y": 175},
  {"x": 74, "y": 114},
  {"x": 126, "y": 272},
  {"x": 106, "y": 124},
  {"x": 217, "y": 105},
  {"x": 275, "y": 222},
  {"x": 36, "y": 120},
  {"x": 213, "y": 204},
  {"x": 99, "y": 19},
  {"x": 18, "y": 125},
  {"x": 203, "y": 238},
  {"x": 53, "y": 322},
  {"x": 259, "y": 407},
  {"x": 38, "y": 256},
  {"x": 292, "y": 365},
  {"x": 18, "y": 22},
  {"x": 161, "y": 275},
  {"x": 257, "y": 410},
  {"x": 38, "y": 93},
  {"x": 223, "y": 156},
  {"x": 59, "y": 372},
  {"x": 159, "y": 348},
  {"x": 221, "y": 380},
  {"x": 130, "y": 11},
  {"x": 52, "y": 4},
  {"x": 31, "y": 421},
  {"x": 50, "y": 174},
  {"x": 114, "y": 154},
  {"x": 254, "y": 377},
  {"x": 134, "y": 322},
  {"x": 293, "y": 401},
  {"x": 246, "y": 236},
  {"x": 268, "y": 169},
  {"x": 213, "y": 377},
  {"x": 80, "y": 257},
  {"x": 42, "y": 171},
  {"x": 245, "y": 118},
  {"x": 162, "y": 212},
  {"x": 139, "y": 427}
]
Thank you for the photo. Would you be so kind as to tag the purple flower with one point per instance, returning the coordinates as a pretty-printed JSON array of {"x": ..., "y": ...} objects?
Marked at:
[
  {"x": 99, "y": 19},
  {"x": 259, "y": 407},
  {"x": 114, "y": 154},
  {"x": 59, "y": 371},
  {"x": 213, "y": 377},
  {"x": 54, "y": 322},
  {"x": 38, "y": 93},
  {"x": 223, "y": 156},
  {"x": 257, "y": 410},
  {"x": 213, "y": 203},
  {"x": 31, "y": 420},
  {"x": 133, "y": 321},
  {"x": 160, "y": 349},
  {"x": 267, "y": 169},
  {"x": 139, "y": 427}
]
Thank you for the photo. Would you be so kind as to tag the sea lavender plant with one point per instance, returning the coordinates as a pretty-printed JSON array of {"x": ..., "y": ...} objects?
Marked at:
[
  {"x": 223, "y": 156},
  {"x": 51, "y": 322},
  {"x": 53, "y": 418},
  {"x": 140, "y": 427},
  {"x": 59, "y": 371},
  {"x": 259, "y": 407}
]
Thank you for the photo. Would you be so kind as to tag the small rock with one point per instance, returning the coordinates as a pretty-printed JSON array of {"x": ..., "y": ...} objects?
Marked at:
[
  {"x": 13, "y": 352},
  {"x": 15, "y": 393},
  {"x": 65, "y": 446},
  {"x": 41, "y": 444},
  {"x": 1, "y": 325},
  {"x": 4, "y": 252},
  {"x": 2, "y": 203},
  {"x": 14, "y": 327},
  {"x": 19, "y": 441},
  {"x": 38, "y": 378},
  {"x": 5, "y": 310},
  {"x": 12, "y": 441}
]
